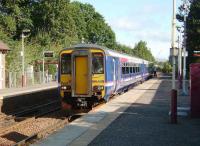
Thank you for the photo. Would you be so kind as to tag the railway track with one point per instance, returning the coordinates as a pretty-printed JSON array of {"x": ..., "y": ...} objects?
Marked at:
[
  {"x": 7, "y": 120},
  {"x": 45, "y": 131},
  {"x": 13, "y": 128},
  {"x": 34, "y": 124},
  {"x": 60, "y": 123}
]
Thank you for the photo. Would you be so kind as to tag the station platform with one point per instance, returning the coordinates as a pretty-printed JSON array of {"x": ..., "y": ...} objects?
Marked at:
[
  {"x": 9, "y": 92},
  {"x": 139, "y": 117},
  {"x": 13, "y": 99}
]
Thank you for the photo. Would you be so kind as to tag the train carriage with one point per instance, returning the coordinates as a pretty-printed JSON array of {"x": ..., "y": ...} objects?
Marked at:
[{"x": 89, "y": 73}]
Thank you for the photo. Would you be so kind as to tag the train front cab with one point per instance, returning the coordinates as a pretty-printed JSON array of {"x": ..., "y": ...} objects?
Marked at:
[{"x": 82, "y": 77}]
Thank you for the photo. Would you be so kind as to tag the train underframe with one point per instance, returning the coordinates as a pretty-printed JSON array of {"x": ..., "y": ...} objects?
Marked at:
[{"x": 69, "y": 102}]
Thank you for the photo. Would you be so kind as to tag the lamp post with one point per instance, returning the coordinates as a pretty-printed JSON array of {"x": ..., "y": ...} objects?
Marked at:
[
  {"x": 186, "y": 9},
  {"x": 173, "y": 91},
  {"x": 173, "y": 43},
  {"x": 43, "y": 76},
  {"x": 22, "y": 54},
  {"x": 179, "y": 57}
]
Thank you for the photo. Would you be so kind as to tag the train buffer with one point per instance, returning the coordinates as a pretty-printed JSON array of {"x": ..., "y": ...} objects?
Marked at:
[{"x": 137, "y": 117}]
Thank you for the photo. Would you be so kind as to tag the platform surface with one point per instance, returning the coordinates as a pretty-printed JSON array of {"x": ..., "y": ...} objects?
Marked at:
[
  {"x": 9, "y": 92},
  {"x": 137, "y": 118}
]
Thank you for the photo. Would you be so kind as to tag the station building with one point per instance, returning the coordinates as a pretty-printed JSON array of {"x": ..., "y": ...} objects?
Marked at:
[{"x": 3, "y": 50}]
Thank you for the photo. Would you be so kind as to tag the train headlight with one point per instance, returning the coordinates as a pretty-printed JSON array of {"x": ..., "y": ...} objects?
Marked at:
[
  {"x": 66, "y": 87},
  {"x": 98, "y": 88}
]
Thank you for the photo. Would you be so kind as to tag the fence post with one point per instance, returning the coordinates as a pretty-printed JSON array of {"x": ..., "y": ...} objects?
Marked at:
[
  {"x": 15, "y": 79},
  {"x": 33, "y": 78},
  {"x": 40, "y": 78},
  {"x": 10, "y": 79}
]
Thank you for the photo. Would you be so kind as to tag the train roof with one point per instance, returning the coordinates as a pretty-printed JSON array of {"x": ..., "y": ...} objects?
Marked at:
[{"x": 110, "y": 52}]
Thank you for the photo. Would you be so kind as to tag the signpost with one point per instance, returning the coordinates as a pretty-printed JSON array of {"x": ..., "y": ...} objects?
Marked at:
[{"x": 46, "y": 54}]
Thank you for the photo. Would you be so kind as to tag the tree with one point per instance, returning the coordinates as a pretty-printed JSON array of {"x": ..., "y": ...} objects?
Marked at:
[
  {"x": 54, "y": 18},
  {"x": 141, "y": 50},
  {"x": 91, "y": 25},
  {"x": 166, "y": 67},
  {"x": 193, "y": 32},
  {"x": 15, "y": 16}
]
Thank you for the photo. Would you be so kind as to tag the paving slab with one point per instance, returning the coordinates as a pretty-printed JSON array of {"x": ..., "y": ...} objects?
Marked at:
[{"x": 148, "y": 123}]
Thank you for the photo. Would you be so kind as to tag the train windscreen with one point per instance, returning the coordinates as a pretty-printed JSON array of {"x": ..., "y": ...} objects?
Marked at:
[
  {"x": 66, "y": 64},
  {"x": 97, "y": 63}
]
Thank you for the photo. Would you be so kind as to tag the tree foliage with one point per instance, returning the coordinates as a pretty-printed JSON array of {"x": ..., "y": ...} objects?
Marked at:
[
  {"x": 193, "y": 33},
  {"x": 55, "y": 24},
  {"x": 193, "y": 27},
  {"x": 141, "y": 50},
  {"x": 166, "y": 67}
]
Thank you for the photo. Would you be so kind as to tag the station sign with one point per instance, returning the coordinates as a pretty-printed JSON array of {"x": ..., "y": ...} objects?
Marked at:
[
  {"x": 48, "y": 54},
  {"x": 186, "y": 54},
  {"x": 174, "y": 51}
]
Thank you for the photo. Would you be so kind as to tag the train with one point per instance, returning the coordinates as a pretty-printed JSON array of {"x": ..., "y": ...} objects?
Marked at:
[{"x": 90, "y": 73}]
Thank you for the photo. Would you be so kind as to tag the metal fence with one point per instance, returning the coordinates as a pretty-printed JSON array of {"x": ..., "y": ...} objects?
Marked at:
[{"x": 14, "y": 79}]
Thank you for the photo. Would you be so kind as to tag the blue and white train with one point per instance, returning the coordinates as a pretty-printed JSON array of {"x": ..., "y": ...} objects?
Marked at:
[{"x": 89, "y": 73}]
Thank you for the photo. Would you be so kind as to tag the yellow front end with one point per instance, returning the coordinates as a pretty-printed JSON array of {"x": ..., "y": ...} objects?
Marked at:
[
  {"x": 98, "y": 79},
  {"x": 82, "y": 75},
  {"x": 65, "y": 76}
]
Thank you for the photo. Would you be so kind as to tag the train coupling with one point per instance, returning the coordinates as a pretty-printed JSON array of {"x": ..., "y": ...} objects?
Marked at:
[{"x": 81, "y": 102}]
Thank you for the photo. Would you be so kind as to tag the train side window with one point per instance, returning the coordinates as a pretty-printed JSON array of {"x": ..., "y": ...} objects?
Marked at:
[
  {"x": 127, "y": 70},
  {"x": 131, "y": 70},
  {"x": 97, "y": 63},
  {"x": 123, "y": 70},
  {"x": 65, "y": 64}
]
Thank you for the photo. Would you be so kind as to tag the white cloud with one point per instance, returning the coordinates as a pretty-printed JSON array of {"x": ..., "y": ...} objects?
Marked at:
[
  {"x": 130, "y": 30},
  {"x": 153, "y": 35},
  {"x": 142, "y": 27},
  {"x": 125, "y": 24}
]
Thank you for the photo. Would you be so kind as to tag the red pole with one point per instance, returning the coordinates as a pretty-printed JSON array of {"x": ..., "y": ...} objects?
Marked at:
[{"x": 173, "y": 106}]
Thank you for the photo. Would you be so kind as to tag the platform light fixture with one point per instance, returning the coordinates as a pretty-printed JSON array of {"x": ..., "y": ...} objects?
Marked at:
[{"x": 186, "y": 7}]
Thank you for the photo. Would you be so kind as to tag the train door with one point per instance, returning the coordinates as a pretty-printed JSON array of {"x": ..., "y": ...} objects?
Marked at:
[
  {"x": 142, "y": 70},
  {"x": 81, "y": 75},
  {"x": 115, "y": 74}
]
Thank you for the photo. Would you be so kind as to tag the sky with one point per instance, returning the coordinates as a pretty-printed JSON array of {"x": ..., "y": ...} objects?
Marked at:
[{"x": 135, "y": 20}]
